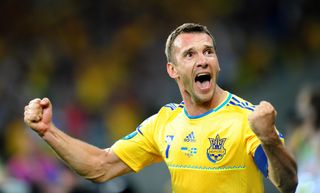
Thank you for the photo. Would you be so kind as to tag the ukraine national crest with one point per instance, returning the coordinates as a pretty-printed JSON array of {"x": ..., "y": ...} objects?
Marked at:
[{"x": 216, "y": 151}]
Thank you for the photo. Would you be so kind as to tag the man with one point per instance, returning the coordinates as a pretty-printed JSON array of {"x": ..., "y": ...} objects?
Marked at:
[{"x": 213, "y": 141}]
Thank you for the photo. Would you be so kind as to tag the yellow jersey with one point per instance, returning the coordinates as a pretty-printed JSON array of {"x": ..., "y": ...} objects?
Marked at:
[{"x": 210, "y": 153}]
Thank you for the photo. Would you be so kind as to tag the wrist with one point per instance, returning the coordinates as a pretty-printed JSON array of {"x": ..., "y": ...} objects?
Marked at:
[
  {"x": 45, "y": 129},
  {"x": 270, "y": 138}
]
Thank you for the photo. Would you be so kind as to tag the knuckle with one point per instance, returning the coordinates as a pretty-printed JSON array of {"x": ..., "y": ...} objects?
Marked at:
[
  {"x": 27, "y": 115},
  {"x": 34, "y": 101},
  {"x": 34, "y": 104},
  {"x": 36, "y": 117}
]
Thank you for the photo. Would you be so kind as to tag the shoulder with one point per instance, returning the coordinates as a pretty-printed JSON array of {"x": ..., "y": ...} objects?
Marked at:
[
  {"x": 171, "y": 107},
  {"x": 162, "y": 117},
  {"x": 240, "y": 105},
  {"x": 166, "y": 112},
  {"x": 170, "y": 110}
]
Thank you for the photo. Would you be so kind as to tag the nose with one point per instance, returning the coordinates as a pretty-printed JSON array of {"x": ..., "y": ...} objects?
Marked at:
[{"x": 202, "y": 61}]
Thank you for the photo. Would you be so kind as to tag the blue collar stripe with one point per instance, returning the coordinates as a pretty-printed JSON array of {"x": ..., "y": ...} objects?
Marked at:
[{"x": 210, "y": 111}]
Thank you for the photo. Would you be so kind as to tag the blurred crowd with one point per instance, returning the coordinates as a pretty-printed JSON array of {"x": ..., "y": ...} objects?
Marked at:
[
  {"x": 102, "y": 64},
  {"x": 305, "y": 138}
]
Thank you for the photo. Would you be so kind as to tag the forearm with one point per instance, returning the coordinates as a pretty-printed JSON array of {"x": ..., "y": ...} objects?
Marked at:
[
  {"x": 282, "y": 167},
  {"x": 87, "y": 160}
]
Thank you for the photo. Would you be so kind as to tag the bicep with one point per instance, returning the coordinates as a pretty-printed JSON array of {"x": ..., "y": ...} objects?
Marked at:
[
  {"x": 115, "y": 166},
  {"x": 138, "y": 149}
]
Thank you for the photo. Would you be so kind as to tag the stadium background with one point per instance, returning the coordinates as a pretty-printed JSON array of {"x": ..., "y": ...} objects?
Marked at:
[{"x": 102, "y": 64}]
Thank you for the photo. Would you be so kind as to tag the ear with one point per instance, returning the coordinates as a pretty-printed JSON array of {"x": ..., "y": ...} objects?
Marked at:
[
  {"x": 171, "y": 69},
  {"x": 218, "y": 65}
]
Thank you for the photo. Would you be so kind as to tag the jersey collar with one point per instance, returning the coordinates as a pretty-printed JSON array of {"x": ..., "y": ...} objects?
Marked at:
[{"x": 210, "y": 111}]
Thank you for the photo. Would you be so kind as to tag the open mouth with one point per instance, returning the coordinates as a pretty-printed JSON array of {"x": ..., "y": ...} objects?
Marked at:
[
  {"x": 203, "y": 77},
  {"x": 203, "y": 80}
]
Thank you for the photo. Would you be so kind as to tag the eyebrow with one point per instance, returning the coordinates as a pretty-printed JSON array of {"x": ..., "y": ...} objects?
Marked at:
[
  {"x": 192, "y": 48},
  {"x": 187, "y": 51},
  {"x": 209, "y": 46}
]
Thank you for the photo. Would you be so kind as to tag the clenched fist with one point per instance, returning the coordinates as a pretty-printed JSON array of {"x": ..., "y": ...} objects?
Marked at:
[
  {"x": 262, "y": 122},
  {"x": 38, "y": 115}
]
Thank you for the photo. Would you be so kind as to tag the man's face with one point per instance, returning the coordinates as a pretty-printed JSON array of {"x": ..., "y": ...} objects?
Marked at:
[{"x": 196, "y": 65}]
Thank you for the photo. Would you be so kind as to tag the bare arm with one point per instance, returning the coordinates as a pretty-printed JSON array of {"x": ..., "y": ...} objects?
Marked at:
[
  {"x": 87, "y": 160},
  {"x": 281, "y": 166}
]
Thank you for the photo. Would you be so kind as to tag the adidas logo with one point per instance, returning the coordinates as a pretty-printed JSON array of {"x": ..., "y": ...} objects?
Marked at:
[{"x": 190, "y": 138}]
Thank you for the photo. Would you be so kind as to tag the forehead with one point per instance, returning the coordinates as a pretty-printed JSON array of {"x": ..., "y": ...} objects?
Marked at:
[{"x": 188, "y": 40}]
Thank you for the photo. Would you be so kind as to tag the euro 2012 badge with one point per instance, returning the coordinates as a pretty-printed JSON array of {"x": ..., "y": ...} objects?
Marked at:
[{"x": 216, "y": 151}]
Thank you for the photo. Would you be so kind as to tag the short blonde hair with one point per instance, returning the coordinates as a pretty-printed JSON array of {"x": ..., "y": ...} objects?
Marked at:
[{"x": 185, "y": 28}]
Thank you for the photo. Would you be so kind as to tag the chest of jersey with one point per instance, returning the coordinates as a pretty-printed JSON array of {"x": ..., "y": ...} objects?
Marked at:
[{"x": 212, "y": 142}]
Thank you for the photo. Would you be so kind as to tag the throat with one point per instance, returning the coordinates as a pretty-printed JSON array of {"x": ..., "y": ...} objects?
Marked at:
[
  {"x": 196, "y": 110},
  {"x": 196, "y": 107}
]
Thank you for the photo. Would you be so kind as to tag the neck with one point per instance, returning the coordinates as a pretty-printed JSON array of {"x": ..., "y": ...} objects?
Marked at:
[{"x": 195, "y": 109}]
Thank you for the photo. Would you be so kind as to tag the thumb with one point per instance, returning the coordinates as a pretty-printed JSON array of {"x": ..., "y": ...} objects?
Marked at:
[
  {"x": 45, "y": 103},
  {"x": 47, "y": 110}
]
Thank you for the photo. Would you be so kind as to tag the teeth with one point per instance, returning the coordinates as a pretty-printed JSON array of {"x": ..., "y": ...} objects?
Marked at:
[
  {"x": 201, "y": 77},
  {"x": 201, "y": 74}
]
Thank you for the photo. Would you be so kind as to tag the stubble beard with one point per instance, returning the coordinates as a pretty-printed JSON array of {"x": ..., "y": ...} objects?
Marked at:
[
  {"x": 201, "y": 99},
  {"x": 198, "y": 99}
]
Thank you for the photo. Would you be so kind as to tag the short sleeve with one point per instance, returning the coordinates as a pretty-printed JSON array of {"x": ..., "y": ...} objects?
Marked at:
[
  {"x": 253, "y": 141},
  {"x": 138, "y": 149},
  {"x": 254, "y": 148}
]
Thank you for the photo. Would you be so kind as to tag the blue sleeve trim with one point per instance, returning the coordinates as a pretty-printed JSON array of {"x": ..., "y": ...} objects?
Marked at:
[
  {"x": 242, "y": 105},
  {"x": 172, "y": 106},
  {"x": 234, "y": 98},
  {"x": 261, "y": 160},
  {"x": 280, "y": 135},
  {"x": 138, "y": 129}
]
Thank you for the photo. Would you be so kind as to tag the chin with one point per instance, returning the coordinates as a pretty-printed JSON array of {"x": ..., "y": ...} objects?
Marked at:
[{"x": 203, "y": 99}]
